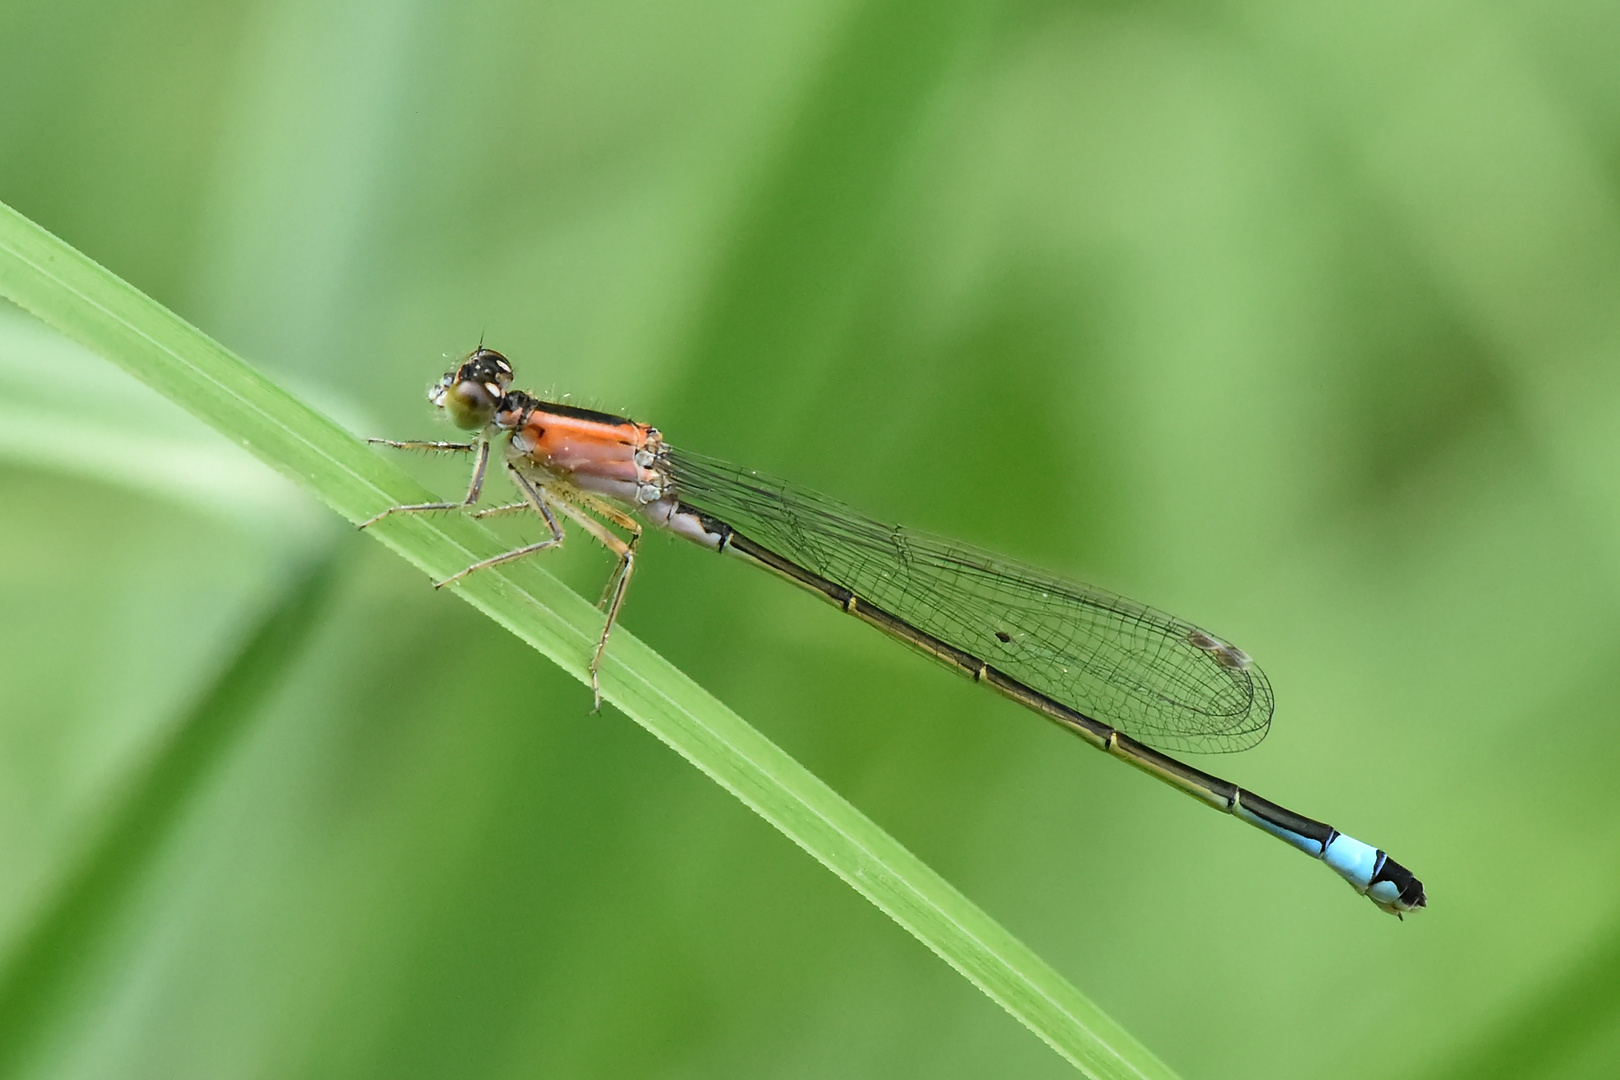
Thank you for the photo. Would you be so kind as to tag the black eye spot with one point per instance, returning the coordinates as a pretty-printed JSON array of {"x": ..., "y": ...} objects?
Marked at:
[{"x": 1003, "y": 637}]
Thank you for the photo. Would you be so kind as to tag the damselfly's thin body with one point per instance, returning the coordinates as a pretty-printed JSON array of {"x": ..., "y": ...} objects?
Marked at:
[{"x": 1128, "y": 679}]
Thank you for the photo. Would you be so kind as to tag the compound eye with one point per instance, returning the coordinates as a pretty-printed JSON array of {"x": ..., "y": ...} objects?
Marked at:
[
  {"x": 495, "y": 363},
  {"x": 486, "y": 366},
  {"x": 471, "y": 404}
]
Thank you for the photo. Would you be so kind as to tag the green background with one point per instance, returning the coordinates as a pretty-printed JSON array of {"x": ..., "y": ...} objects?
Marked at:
[{"x": 1302, "y": 324}]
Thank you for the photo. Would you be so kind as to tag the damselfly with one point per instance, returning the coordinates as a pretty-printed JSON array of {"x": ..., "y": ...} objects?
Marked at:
[{"x": 1128, "y": 679}]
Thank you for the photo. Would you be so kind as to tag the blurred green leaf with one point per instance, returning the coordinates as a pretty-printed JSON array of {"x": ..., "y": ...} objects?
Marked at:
[
  {"x": 1548, "y": 1027},
  {"x": 1297, "y": 321}
]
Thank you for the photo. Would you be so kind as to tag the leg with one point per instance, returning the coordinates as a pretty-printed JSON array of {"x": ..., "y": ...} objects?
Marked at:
[
  {"x": 541, "y": 500},
  {"x": 623, "y": 521},
  {"x": 480, "y": 464},
  {"x": 534, "y": 498},
  {"x": 619, "y": 583},
  {"x": 509, "y": 508},
  {"x": 418, "y": 444}
]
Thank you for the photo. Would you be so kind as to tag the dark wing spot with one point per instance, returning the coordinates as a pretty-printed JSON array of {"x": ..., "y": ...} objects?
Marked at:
[{"x": 1200, "y": 640}]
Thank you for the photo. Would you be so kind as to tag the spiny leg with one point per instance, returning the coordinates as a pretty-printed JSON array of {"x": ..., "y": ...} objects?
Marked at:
[
  {"x": 509, "y": 508},
  {"x": 534, "y": 498},
  {"x": 474, "y": 488},
  {"x": 542, "y": 500},
  {"x": 629, "y": 524},
  {"x": 619, "y": 583},
  {"x": 423, "y": 444}
]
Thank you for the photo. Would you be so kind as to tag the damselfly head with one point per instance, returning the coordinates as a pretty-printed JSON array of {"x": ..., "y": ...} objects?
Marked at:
[{"x": 474, "y": 391}]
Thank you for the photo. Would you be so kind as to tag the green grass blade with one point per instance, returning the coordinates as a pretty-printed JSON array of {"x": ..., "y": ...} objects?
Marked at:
[{"x": 96, "y": 308}]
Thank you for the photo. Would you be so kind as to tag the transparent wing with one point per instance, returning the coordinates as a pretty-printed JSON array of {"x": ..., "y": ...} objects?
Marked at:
[{"x": 1152, "y": 676}]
